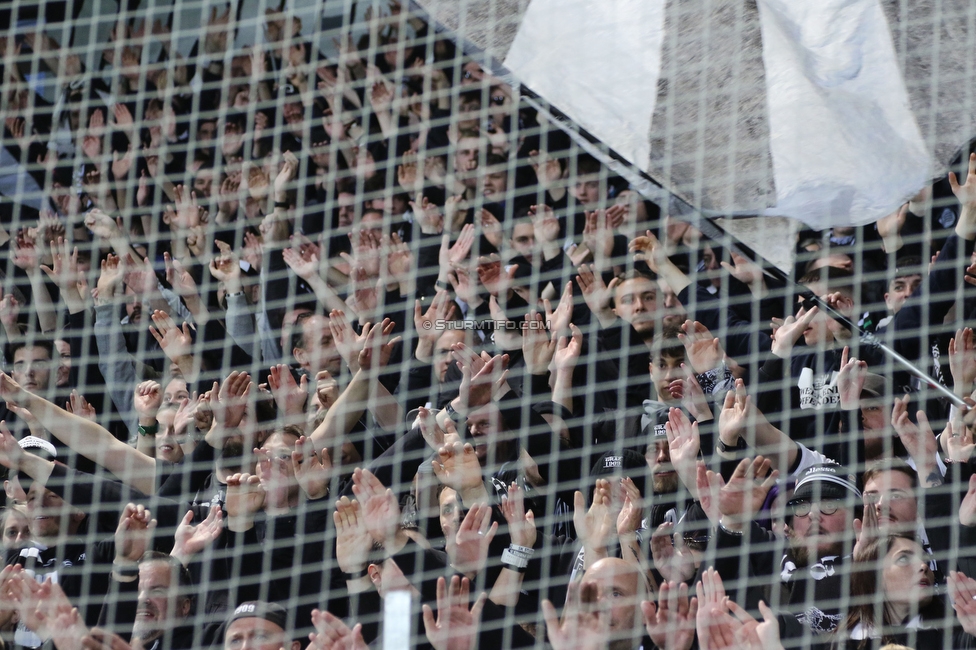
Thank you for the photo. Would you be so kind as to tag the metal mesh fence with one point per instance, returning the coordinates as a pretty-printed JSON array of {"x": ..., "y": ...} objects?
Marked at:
[{"x": 316, "y": 321}]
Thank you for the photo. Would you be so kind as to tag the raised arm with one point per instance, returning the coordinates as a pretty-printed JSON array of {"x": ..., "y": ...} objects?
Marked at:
[
  {"x": 741, "y": 419},
  {"x": 87, "y": 438}
]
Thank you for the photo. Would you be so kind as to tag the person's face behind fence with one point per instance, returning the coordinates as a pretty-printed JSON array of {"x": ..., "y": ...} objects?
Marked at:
[
  {"x": 658, "y": 457},
  {"x": 256, "y": 634},
  {"x": 167, "y": 438},
  {"x": 635, "y": 302},
  {"x": 818, "y": 534},
  {"x": 32, "y": 368},
  {"x": 320, "y": 352},
  {"x": 49, "y": 515},
  {"x": 159, "y": 608},
  {"x": 907, "y": 578},
  {"x": 892, "y": 495},
  {"x": 16, "y": 530},
  {"x": 618, "y": 590}
]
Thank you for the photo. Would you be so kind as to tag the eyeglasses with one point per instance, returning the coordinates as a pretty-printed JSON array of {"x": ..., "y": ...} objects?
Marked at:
[{"x": 825, "y": 507}]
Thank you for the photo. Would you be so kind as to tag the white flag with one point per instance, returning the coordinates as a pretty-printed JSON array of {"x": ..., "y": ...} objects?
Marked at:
[
  {"x": 598, "y": 62},
  {"x": 845, "y": 146}
]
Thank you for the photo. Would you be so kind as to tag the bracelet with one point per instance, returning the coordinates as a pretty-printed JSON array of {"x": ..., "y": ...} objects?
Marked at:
[
  {"x": 452, "y": 413},
  {"x": 148, "y": 431},
  {"x": 736, "y": 533},
  {"x": 284, "y": 205},
  {"x": 127, "y": 572},
  {"x": 517, "y": 557}
]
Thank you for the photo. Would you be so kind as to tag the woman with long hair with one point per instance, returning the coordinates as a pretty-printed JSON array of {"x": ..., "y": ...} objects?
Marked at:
[{"x": 909, "y": 611}]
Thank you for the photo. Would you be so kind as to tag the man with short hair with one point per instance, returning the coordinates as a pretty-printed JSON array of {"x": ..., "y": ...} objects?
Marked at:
[
  {"x": 820, "y": 518},
  {"x": 313, "y": 346},
  {"x": 622, "y": 586},
  {"x": 257, "y": 625},
  {"x": 160, "y": 611}
]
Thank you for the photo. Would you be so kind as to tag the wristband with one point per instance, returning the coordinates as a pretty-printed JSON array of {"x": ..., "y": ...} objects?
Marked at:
[
  {"x": 234, "y": 295},
  {"x": 740, "y": 445},
  {"x": 284, "y": 205},
  {"x": 736, "y": 533},
  {"x": 440, "y": 284},
  {"x": 517, "y": 557},
  {"x": 127, "y": 572},
  {"x": 451, "y": 413},
  {"x": 148, "y": 431}
]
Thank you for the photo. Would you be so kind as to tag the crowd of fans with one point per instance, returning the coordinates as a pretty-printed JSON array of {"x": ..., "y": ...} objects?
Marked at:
[{"x": 288, "y": 337}]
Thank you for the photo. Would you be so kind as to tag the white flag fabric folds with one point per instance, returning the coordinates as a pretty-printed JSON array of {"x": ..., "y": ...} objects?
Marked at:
[
  {"x": 832, "y": 111},
  {"x": 845, "y": 146},
  {"x": 598, "y": 62}
]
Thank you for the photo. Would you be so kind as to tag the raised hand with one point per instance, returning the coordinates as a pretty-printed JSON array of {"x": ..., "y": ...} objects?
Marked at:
[
  {"x": 962, "y": 362},
  {"x": 290, "y": 396},
  {"x": 786, "y": 336},
  {"x": 537, "y": 347},
  {"x": 560, "y": 318},
  {"x": 304, "y": 267},
  {"x": 148, "y": 398},
  {"x": 245, "y": 498},
  {"x": 230, "y": 401},
  {"x": 480, "y": 379},
  {"x": 454, "y": 255},
  {"x": 505, "y": 339},
  {"x": 919, "y": 440},
  {"x": 684, "y": 444},
  {"x": 9, "y": 309},
  {"x": 353, "y": 540},
  {"x": 671, "y": 557},
  {"x": 176, "y": 343},
  {"x": 10, "y": 451},
  {"x": 64, "y": 269},
  {"x": 865, "y": 531},
  {"x": 521, "y": 522},
  {"x": 703, "y": 349},
  {"x": 331, "y": 633},
  {"x": 428, "y": 216},
  {"x": 25, "y": 255},
  {"x": 671, "y": 624},
  {"x": 92, "y": 142},
  {"x": 596, "y": 293},
  {"x": 957, "y": 440},
  {"x": 133, "y": 534},
  {"x": 598, "y": 235},
  {"x": 313, "y": 469},
  {"x": 967, "y": 509},
  {"x": 743, "y": 496},
  {"x": 748, "y": 273},
  {"x": 376, "y": 352},
  {"x": 962, "y": 591},
  {"x": 850, "y": 380},
  {"x": 568, "y": 351},
  {"x": 381, "y": 510},
  {"x": 191, "y": 539},
  {"x": 457, "y": 467},
  {"x": 966, "y": 227},
  {"x": 456, "y": 626},
  {"x": 473, "y": 538},
  {"x": 585, "y": 624},
  {"x": 594, "y": 524},
  {"x": 739, "y": 415},
  {"x": 399, "y": 261}
]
